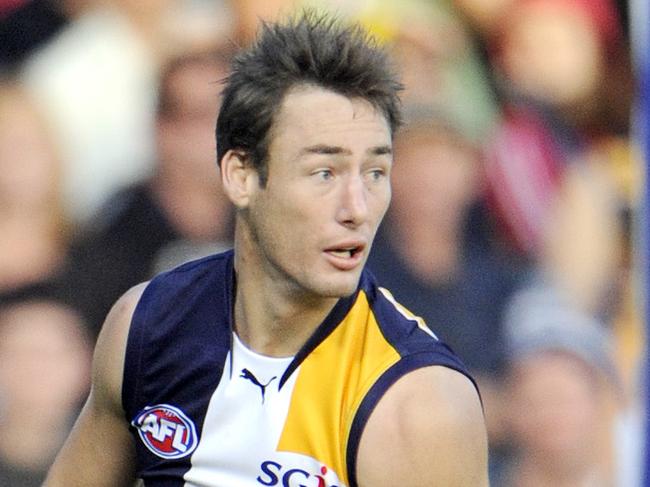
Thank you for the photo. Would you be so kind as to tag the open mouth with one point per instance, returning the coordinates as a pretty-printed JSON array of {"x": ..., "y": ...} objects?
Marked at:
[{"x": 346, "y": 252}]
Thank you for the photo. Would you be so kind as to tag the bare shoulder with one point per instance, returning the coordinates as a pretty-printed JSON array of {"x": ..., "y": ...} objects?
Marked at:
[
  {"x": 100, "y": 450},
  {"x": 428, "y": 429},
  {"x": 108, "y": 363}
]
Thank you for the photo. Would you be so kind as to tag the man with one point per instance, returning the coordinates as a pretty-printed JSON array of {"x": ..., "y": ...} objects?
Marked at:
[{"x": 282, "y": 362}]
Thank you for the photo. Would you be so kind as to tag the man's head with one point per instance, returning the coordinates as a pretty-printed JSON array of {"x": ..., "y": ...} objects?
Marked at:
[
  {"x": 305, "y": 143},
  {"x": 310, "y": 50}
]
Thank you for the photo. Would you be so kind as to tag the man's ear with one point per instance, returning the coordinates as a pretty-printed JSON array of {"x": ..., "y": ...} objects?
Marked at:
[{"x": 238, "y": 176}]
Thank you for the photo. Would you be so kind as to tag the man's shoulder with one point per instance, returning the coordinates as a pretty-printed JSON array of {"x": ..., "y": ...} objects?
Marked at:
[
  {"x": 182, "y": 326},
  {"x": 434, "y": 400},
  {"x": 199, "y": 290},
  {"x": 428, "y": 426},
  {"x": 404, "y": 329},
  {"x": 207, "y": 263},
  {"x": 194, "y": 274},
  {"x": 434, "y": 388}
]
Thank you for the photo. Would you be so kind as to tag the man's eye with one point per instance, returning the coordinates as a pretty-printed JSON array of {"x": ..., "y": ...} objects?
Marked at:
[
  {"x": 377, "y": 174},
  {"x": 324, "y": 174}
]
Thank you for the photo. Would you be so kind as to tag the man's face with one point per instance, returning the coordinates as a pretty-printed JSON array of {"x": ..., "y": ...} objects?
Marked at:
[{"x": 328, "y": 188}]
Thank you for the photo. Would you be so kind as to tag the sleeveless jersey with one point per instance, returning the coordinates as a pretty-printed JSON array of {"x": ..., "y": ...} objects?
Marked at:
[{"x": 206, "y": 411}]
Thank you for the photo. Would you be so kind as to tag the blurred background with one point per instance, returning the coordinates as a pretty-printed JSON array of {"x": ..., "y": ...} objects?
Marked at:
[{"x": 514, "y": 227}]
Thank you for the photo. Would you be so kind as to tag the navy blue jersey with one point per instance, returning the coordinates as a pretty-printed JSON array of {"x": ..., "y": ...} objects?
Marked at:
[{"x": 207, "y": 411}]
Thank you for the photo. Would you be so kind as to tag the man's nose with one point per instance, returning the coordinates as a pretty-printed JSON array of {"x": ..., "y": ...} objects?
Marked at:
[{"x": 353, "y": 208}]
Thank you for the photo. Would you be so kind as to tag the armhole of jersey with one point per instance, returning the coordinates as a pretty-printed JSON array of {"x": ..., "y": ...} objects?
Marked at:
[
  {"x": 133, "y": 356},
  {"x": 377, "y": 391}
]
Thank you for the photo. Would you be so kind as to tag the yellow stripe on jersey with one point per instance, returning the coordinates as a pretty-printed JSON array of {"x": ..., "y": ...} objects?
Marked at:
[{"x": 347, "y": 363}]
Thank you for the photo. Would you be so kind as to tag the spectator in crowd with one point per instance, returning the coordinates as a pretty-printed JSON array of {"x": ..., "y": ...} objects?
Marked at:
[
  {"x": 553, "y": 63},
  {"x": 248, "y": 13},
  {"x": 564, "y": 395},
  {"x": 561, "y": 170},
  {"x": 177, "y": 214},
  {"x": 434, "y": 50},
  {"x": 44, "y": 377},
  {"x": 32, "y": 220},
  {"x": 96, "y": 80}
]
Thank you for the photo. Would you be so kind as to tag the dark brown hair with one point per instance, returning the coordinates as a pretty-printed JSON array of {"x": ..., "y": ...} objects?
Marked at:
[{"x": 312, "y": 49}]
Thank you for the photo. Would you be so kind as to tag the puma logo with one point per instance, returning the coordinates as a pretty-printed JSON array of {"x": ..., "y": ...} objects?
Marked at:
[{"x": 248, "y": 375}]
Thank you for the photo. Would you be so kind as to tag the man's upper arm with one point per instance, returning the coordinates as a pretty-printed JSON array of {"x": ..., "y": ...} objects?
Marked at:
[
  {"x": 427, "y": 430},
  {"x": 99, "y": 450}
]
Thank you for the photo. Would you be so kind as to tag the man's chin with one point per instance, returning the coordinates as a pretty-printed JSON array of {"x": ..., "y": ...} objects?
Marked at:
[{"x": 340, "y": 290}]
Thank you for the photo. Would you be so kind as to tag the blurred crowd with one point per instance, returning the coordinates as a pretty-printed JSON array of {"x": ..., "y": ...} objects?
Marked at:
[{"x": 516, "y": 187}]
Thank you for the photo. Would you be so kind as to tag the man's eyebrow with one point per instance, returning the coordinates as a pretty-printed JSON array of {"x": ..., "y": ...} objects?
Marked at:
[
  {"x": 333, "y": 150},
  {"x": 381, "y": 150},
  {"x": 325, "y": 149}
]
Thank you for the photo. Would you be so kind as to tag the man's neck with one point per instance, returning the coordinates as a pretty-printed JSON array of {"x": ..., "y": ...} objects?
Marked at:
[{"x": 270, "y": 316}]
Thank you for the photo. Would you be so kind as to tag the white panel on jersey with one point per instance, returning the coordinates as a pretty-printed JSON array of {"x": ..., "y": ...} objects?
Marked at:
[{"x": 244, "y": 420}]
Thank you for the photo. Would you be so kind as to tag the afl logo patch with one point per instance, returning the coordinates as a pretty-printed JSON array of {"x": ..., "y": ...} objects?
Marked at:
[{"x": 166, "y": 431}]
